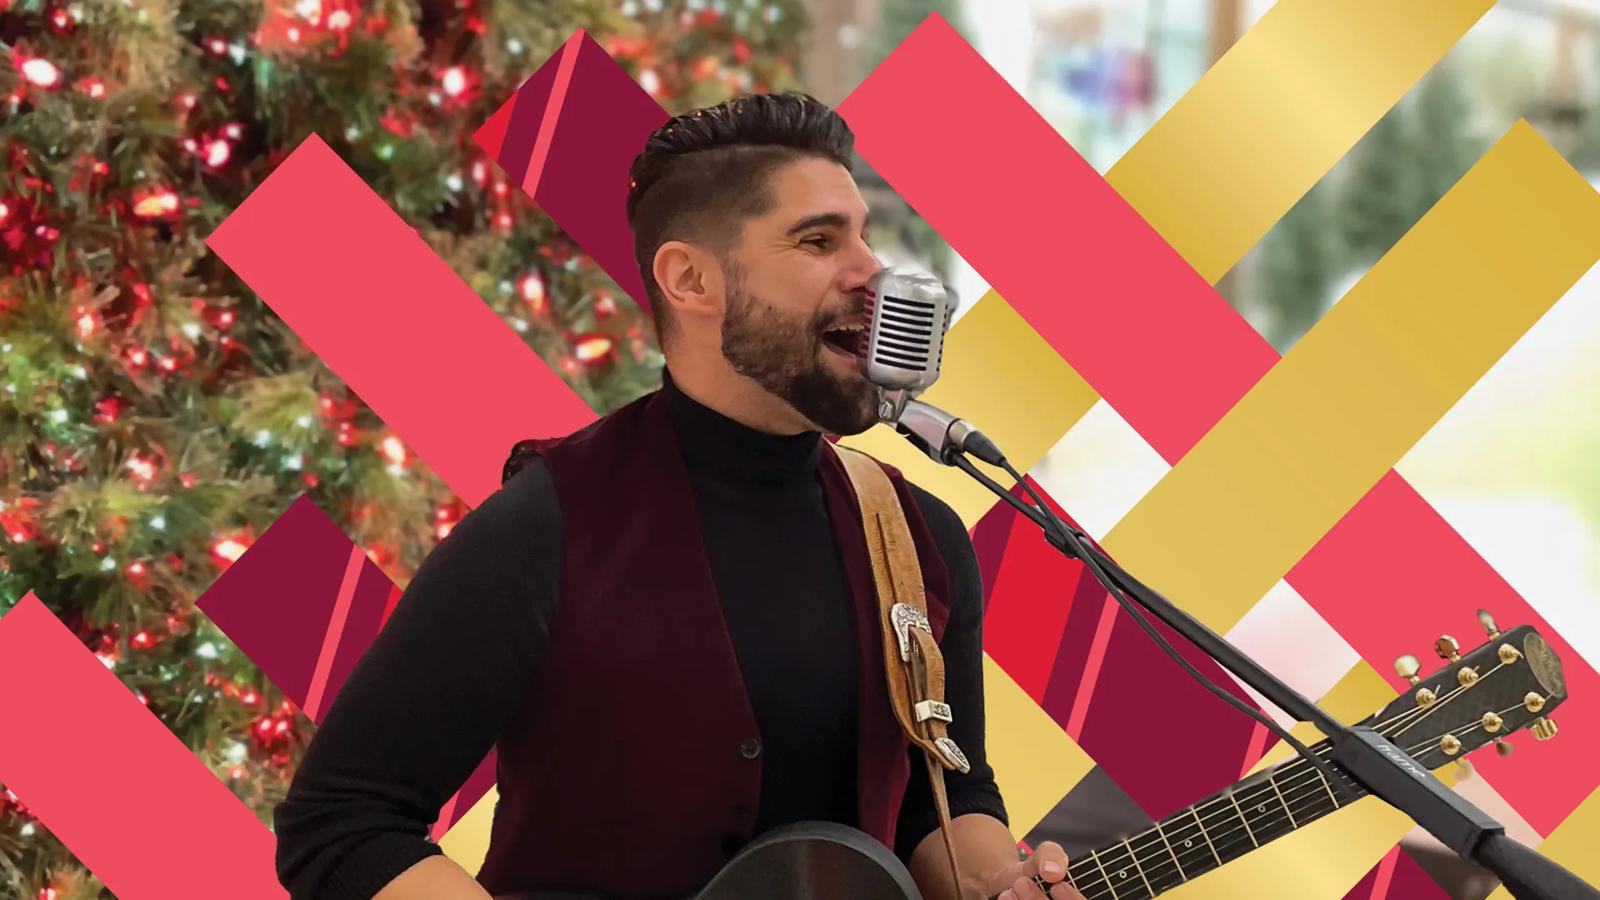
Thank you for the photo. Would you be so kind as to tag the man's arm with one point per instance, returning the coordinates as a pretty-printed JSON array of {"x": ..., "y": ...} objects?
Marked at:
[
  {"x": 423, "y": 706},
  {"x": 435, "y": 878}
]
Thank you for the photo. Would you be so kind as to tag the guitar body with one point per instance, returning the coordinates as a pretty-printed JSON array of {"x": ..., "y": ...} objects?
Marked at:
[{"x": 803, "y": 861}]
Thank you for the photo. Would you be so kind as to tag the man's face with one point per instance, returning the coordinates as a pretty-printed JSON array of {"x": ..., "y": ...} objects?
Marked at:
[{"x": 798, "y": 275}]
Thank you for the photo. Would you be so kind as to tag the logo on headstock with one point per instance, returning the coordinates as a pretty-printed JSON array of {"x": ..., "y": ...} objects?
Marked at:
[{"x": 1546, "y": 667}]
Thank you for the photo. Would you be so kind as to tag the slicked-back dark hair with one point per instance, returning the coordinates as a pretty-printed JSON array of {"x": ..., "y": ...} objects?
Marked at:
[{"x": 704, "y": 172}]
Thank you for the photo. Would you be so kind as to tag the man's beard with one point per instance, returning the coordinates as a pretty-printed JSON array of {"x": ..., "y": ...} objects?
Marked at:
[{"x": 783, "y": 353}]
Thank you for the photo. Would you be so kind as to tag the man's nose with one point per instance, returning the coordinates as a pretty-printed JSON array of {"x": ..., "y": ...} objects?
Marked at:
[{"x": 860, "y": 268}]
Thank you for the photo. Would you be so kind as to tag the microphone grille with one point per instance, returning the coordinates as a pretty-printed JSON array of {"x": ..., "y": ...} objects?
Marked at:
[{"x": 904, "y": 346}]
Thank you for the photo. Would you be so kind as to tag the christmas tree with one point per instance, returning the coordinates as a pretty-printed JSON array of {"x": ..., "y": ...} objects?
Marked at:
[
  {"x": 155, "y": 415},
  {"x": 1447, "y": 142},
  {"x": 1382, "y": 197},
  {"x": 1299, "y": 259}
]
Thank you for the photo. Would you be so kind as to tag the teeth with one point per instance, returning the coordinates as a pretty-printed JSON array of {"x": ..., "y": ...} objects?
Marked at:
[{"x": 856, "y": 327}]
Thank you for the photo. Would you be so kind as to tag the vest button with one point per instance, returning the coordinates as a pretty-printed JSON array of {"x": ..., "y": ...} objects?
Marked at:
[{"x": 751, "y": 748}]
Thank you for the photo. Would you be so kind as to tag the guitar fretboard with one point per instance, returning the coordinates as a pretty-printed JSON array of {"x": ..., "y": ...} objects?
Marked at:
[{"x": 1223, "y": 827}]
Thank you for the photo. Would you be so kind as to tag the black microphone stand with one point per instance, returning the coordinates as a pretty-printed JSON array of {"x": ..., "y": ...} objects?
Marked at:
[{"x": 1382, "y": 768}]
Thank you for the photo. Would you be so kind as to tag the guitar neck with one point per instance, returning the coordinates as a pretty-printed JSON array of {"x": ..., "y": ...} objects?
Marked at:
[{"x": 1225, "y": 826}]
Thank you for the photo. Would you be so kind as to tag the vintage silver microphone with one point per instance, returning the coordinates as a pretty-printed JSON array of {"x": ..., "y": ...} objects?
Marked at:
[{"x": 900, "y": 353}]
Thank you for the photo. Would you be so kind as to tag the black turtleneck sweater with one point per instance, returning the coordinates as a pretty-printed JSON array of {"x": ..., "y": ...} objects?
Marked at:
[{"x": 479, "y": 610}]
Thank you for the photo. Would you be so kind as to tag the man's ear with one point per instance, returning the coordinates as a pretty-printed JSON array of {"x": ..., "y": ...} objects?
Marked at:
[{"x": 690, "y": 279}]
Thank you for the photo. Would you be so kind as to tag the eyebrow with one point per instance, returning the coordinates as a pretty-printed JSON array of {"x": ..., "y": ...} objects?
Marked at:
[{"x": 827, "y": 219}]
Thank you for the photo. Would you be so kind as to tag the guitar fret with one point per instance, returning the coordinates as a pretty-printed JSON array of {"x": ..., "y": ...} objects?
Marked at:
[
  {"x": 1109, "y": 886},
  {"x": 1286, "y": 811},
  {"x": 1242, "y": 819},
  {"x": 1329, "y": 786},
  {"x": 1260, "y": 809},
  {"x": 1196, "y": 813},
  {"x": 1138, "y": 868},
  {"x": 1267, "y": 819},
  {"x": 1186, "y": 844},
  {"x": 1168, "y": 845}
]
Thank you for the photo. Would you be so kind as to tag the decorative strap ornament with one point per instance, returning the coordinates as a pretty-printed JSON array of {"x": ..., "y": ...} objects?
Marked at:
[{"x": 915, "y": 667}]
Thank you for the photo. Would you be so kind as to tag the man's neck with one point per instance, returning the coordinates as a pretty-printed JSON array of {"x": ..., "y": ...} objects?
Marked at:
[{"x": 713, "y": 383}]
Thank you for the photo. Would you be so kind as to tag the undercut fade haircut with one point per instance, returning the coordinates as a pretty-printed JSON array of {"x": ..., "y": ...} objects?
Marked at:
[{"x": 703, "y": 173}]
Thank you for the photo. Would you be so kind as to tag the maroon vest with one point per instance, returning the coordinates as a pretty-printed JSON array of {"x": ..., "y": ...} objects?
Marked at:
[{"x": 627, "y": 771}]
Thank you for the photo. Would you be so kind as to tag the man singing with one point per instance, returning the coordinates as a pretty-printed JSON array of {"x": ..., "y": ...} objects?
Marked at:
[{"x": 665, "y": 623}]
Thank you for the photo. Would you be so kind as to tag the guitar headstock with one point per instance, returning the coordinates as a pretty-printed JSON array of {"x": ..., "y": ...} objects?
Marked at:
[{"x": 1511, "y": 682}]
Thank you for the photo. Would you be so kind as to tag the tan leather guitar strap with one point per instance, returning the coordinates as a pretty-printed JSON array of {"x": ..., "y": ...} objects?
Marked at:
[{"x": 915, "y": 666}]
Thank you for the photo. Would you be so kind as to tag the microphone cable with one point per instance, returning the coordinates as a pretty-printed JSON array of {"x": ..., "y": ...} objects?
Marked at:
[{"x": 1069, "y": 535}]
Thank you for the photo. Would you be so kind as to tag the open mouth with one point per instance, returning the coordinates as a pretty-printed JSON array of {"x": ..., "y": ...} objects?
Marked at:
[{"x": 845, "y": 339}]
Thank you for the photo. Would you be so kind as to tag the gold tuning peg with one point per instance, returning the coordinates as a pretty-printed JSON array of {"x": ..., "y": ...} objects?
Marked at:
[
  {"x": 1463, "y": 768},
  {"x": 1447, "y": 648},
  {"x": 1407, "y": 667},
  {"x": 1503, "y": 746},
  {"x": 1543, "y": 729},
  {"x": 1489, "y": 627}
]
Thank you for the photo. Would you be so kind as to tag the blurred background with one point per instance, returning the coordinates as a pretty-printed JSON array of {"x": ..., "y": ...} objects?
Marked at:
[{"x": 155, "y": 416}]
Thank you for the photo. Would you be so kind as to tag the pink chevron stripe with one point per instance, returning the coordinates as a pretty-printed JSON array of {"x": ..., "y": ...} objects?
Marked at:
[
  {"x": 1258, "y": 745},
  {"x": 1018, "y": 631},
  {"x": 581, "y": 170},
  {"x": 197, "y": 842},
  {"x": 1091, "y": 666},
  {"x": 1393, "y": 574},
  {"x": 547, "y": 125},
  {"x": 388, "y": 607},
  {"x": 1380, "y": 885},
  {"x": 370, "y": 298},
  {"x": 1090, "y": 282},
  {"x": 1123, "y": 280},
  {"x": 330, "y": 638},
  {"x": 303, "y": 568}
]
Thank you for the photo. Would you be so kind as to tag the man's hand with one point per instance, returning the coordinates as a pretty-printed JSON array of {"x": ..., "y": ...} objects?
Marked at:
[{"x": 1048, "y": 863}]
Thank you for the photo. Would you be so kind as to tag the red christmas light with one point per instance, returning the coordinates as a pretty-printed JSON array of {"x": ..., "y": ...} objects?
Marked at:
[
  {"x": 454, "y": 81},
  {"x": 108, "y": 410},
  {"x": 217, "y": 152},
  {"x": 84, "y": 322},
  {"x": 593, "y": 349},
  {"x": 40, "y": 72},
  {"x": 228, "y": 549},
  {"x": 157, "y": 204},
  {"x": 531, "y": 287},
  {"x": 144, "y": 469},
  {"x": 393, "y": 450}
]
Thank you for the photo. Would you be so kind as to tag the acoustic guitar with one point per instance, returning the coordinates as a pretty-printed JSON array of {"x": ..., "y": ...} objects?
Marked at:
[{"x": 1510, "y": 683}]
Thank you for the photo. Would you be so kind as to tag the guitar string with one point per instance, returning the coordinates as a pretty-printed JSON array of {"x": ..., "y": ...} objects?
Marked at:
[
  {"x": 1313, "y": 788},
  {"x": 1176, "y": 858},
  {"x": 1462, "y": 730},
  {"x": 1160, "y": 862}
]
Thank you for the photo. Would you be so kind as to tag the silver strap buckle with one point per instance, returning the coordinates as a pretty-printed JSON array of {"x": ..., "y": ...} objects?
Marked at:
[
  {"x": 953, "y": 755},
  {"x": 933, "y": 709},
  {"x": 904, "y": 616}
]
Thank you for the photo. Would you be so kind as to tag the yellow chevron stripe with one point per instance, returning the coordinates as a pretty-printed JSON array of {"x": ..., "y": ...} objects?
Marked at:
[
  {"x": 1275, "y": 113},
  {"x": 1371, "y": 378}
]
